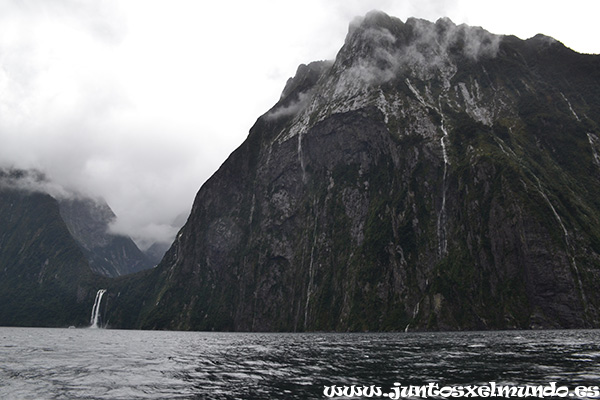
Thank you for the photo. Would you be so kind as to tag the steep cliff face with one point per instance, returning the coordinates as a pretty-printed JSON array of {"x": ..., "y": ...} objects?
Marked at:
[{"x": 433, "y": 176}]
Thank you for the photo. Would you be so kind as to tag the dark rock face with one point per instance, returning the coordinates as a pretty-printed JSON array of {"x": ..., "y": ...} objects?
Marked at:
[{"x": 433, "y": 176}]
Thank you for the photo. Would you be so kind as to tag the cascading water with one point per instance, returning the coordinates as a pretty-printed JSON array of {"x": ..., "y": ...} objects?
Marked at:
[
  {"x": 96, "y": 309},
  {"x": 441, "y": 223}
]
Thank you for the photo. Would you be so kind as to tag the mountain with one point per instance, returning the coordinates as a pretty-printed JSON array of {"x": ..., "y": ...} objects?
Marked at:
[
  {"x": 156, "y": 252},
  {"x": 45, "y": 279},
  {"x": 432, "y": 176},
  {"x": 109, "y": 254}
]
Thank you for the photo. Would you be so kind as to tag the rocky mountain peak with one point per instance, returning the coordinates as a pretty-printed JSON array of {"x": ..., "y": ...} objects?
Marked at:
[
  {"x": 305, "y": 78},
  {"x": 381, "y": 57}
]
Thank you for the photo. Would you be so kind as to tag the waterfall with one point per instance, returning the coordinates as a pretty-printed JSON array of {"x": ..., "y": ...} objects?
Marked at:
[
  {"x": 311, "y": 271},
  {"x": 96, "y": 309},
  {"x": 441, "y": 222}
]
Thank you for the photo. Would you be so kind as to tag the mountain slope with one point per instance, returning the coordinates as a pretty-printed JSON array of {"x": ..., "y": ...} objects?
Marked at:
[
  {"x": 433, "y": 176},
  {"x": 109, "y": 254}
]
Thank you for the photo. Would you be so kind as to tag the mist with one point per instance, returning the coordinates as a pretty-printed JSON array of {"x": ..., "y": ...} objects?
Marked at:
[{"x": 422, "y": 46}]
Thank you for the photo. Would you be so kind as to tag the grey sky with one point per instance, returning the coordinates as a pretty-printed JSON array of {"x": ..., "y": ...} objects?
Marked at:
[{"x": 141, "y": 101}]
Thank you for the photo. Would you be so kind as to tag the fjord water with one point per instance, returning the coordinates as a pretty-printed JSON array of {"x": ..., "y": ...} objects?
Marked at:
[{"x": 40, "y": 363}]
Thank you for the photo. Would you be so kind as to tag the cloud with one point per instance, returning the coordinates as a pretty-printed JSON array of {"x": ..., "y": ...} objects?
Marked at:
[
  {"x": 32, "y": 181},
  {"x": 422, "y": 47},
  {"x": 292, "y": 108},
  {"x": 148, "y": 234}
]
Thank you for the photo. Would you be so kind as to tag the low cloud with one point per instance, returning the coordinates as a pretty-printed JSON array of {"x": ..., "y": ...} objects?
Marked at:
[
  {"x": 146, "y": 235},
  {"x": 420, "y": 46},
  {"x": 144, "y": 232},
  {"x": 292, "y": 108},
  {"x": 32, "y": 181}
]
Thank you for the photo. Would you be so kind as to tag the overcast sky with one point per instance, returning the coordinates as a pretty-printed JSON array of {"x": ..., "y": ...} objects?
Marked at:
[{"x": 140, "y": 101}]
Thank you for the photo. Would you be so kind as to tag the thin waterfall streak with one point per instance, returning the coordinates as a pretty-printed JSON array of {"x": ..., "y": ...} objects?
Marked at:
[
  {"x": 441, "y": 223},
  {"x": 301, "y": 157}
]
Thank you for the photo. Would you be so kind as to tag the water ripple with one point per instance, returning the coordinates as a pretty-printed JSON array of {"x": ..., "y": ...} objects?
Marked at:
[{"x": 112, "y": 364}]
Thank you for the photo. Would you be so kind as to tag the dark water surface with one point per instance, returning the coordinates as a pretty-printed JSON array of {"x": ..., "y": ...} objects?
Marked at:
[{"x": 40, "y": 363}]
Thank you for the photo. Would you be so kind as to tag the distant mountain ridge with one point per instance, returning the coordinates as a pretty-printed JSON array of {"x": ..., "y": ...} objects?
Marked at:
[{"x": 432, "y": 176}]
